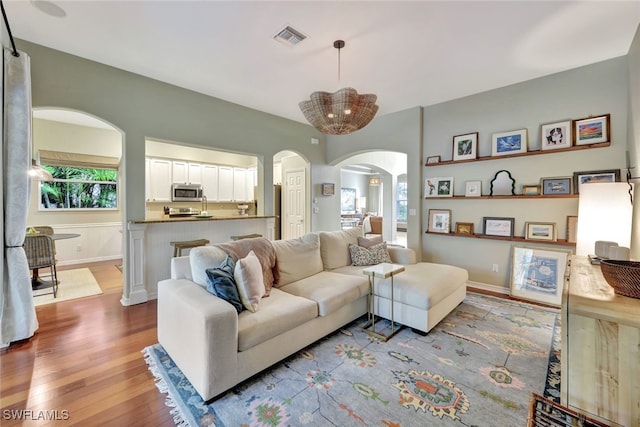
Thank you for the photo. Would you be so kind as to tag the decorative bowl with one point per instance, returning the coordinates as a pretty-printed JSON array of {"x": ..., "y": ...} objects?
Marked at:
[{"x": 622, "y": 276}]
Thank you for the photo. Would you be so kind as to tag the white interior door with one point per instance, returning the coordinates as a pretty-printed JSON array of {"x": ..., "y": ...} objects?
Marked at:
[{"x": 294, "y": 204}]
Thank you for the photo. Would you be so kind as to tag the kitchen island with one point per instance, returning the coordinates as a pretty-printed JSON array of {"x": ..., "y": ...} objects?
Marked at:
[{"x": 150, "y": 249}]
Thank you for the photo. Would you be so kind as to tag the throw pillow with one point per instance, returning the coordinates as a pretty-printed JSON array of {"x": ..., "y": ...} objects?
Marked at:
[
  {"x": 248, "y": 275},
  {"x": 375, "y": 255},
  {"x": 368, "y": 242},
  {"x": 221, "y": 283}
]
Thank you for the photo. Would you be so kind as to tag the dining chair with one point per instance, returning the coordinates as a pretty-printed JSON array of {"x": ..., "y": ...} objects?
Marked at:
[{"x": 41, "y": 254}]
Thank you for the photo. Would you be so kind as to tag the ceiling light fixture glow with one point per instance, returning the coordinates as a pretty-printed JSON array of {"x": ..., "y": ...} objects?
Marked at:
[{"x": 341, "y": 112}]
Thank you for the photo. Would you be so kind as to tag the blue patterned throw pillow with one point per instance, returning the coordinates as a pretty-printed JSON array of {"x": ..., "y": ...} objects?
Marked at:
[{"x": 220, "y": 282}]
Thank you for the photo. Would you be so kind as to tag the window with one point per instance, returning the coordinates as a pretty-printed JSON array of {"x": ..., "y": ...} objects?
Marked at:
[
  {"x": 401, "y": 200},
  {"x": 79, "y": 188}
]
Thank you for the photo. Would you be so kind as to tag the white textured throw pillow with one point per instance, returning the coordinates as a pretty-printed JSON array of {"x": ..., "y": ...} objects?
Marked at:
[{"x": 248, "y": 276}]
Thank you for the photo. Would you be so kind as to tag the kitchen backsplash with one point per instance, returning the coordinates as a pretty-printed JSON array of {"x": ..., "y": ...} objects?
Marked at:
[{"x": 155, "y": 210}]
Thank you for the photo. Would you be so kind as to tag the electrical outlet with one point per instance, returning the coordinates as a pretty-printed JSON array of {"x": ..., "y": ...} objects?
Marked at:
[
  {"x": 494, "y": 268},
  {"x": 79, "y": 248}
]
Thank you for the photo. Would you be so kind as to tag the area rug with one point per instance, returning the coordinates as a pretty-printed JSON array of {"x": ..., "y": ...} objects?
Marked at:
[
  {"x": 478, "y": 367},
  {"x": 73, "y": 284}
]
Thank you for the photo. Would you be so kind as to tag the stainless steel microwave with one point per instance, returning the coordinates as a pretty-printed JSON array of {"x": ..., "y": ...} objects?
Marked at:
[{"x": 186, "y": 192}]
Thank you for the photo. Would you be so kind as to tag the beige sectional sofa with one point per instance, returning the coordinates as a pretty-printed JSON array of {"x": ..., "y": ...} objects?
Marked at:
[{"x": 318, "y": 291}]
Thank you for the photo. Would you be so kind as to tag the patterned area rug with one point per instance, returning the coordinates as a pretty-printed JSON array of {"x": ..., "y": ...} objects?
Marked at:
[{"x": 478, "y": 367}]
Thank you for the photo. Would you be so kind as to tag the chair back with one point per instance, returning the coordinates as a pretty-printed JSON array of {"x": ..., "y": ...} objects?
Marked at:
[{"x": 39, "y": 250}]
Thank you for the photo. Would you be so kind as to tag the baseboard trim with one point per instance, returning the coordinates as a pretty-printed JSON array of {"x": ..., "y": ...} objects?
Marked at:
[
  {"x": 89, "y": 260},
  {"x": 488, "y": 287}
]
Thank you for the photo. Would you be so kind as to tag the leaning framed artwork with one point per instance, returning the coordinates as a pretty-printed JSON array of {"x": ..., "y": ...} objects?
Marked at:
[
  {"x": 592, "y": 130},
  {"x": 438, "y": 187},
  {"x": 505, "y": 143},
  {"x": 539, "y": 274},
  {"x": 439, "y": 221},
  {"x": 556, "y": 135},
  {"x": 593, "y": 177},
  {"x": 465, "y": 147},
  {"x": 545, "y": 231},
  {"x": 555, "y": 186},
  {"x": 498, "y": 226}
]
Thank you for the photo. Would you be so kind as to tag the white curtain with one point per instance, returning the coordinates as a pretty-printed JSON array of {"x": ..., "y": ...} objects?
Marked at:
[{"x": 17, "y": 312}]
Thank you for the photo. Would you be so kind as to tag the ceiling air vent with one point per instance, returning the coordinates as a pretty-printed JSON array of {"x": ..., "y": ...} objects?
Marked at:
[{"x": 289, "y": 36}]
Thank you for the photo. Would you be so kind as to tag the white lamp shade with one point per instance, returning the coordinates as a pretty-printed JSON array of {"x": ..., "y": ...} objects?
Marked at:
[{"x": 604, "y": 213}]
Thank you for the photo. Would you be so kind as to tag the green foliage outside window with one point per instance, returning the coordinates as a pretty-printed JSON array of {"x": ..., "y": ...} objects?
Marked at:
[{"x": 79, "y": 188}]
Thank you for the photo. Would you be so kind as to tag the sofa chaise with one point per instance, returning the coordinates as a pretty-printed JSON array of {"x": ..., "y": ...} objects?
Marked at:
[{"x": 317, "y": 292}]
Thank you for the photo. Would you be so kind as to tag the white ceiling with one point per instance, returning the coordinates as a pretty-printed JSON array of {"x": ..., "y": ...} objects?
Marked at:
[{"x": 410, "y": 54}]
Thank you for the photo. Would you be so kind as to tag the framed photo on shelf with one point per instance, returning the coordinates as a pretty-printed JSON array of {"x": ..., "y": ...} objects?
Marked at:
[
  {"x": 589, "y": 177},
  {"x": 592, "y": 130},
  {"x": 473, "y": 189},
  {"x": 555, "y": 135},
  {"x": 572, "y": 229},
  {"x": 328, "y": 189},
  {"x": 465, "y": 147},
  {"x": 546, "y": 231},
  {"x": 553, "y": 186},
  {"x": 538, "y": 274},
  {"x": 438, "y": 187},
  {"x": 464, "y": 228},
  {"x": 432, "y": 160},
  {"x": 512, "y": 142},
  {"x": 439, "y": 221},
  {"x": 498, "y": 226},
  {"x": 530, "y": 190}
]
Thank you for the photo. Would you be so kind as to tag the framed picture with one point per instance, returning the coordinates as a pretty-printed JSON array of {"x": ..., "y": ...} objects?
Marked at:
[
  {"x": 556, "y": 135},
  {"x": 439, "y": 220},
  {"x": 438, "y": 187},
  {"x": 328, "y": 189},
  {"x": 546, "y": 231},
  {"x": 497, "y": 226},
  {"x": 512, "y": 142},
  {"x": 465, "y": 147},
  {"x": 538, "y": 274},
  {"x": 348, "y": 200},
  {"x": 433, "y": 160},
  {"x": 530, "y": 190},
  {"x": 473, "y": 189},
  {"x": 559, "y": 185},
  {"x": 464, "y": 228},
  {"x": 592, "y": 130},
  {"x": 572, "y": 229},
  {"x": 589, "y": 177}
]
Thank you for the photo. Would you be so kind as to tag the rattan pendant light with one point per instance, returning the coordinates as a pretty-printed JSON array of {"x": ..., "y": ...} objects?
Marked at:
[{"x": 341, "y": 112}]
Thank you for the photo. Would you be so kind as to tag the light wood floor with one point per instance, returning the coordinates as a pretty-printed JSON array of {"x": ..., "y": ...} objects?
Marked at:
[{"x": 86, "y": 359}]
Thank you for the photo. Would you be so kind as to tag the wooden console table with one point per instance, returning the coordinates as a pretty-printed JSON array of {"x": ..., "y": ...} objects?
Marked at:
[{"x": 600, "y": 357}]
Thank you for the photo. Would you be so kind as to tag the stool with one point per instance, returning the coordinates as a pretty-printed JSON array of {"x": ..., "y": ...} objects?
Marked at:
[
  {"x": 187, "y": 244},
  {"x": 246, "y": 236}
]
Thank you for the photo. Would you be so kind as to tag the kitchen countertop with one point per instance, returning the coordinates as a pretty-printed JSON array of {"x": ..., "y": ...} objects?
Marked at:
[{"x": 192, "y": 218}]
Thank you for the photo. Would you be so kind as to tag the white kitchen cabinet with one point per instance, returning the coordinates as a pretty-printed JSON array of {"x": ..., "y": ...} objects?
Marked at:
[
  {"x": 159, "y": 180},
  {"x": 251, "y": 183},
  {"x": 147, "y": 179},
  {"x": 195, "y": 173},
  {"x": 225, "y": 183},
  {"x": 210, "y": 182},
  {"x": 240, "y": 184},
  {"x": 180, "y": 172}
]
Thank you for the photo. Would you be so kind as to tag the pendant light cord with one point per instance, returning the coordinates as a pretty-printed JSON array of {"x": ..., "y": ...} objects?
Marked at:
[
  {"x": 6, "y": 23},
  {"x": 338, "y": 44}
]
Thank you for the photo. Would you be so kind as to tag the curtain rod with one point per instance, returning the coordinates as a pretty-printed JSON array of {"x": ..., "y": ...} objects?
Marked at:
[{"x": 6, "y": 23}]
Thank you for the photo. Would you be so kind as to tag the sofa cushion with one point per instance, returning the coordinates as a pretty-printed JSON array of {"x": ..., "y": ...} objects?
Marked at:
[
  {"x": 248, "y": 276},
  {"x": 203, "y": 258},
  {"x": 278, "y": 313},
  {"x": 367, "y": 242},
  {"x": 298, "y": 258},
  {"x": 265, "y": 252},
  {"x": 221, "y": 283},
  {"x": 374, "y": 255},
  {"x": 331, "y": 291},
  {"x": 334, "y": 246}
]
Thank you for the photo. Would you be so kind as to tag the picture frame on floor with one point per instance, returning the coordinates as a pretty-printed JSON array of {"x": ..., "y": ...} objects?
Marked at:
[{"x": 538, "y": 274}]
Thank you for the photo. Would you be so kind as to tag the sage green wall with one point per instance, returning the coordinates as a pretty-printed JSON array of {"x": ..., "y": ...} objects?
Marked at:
[
  {"x": 592, "y": 90},
  {"x": 634, "y": 138}
]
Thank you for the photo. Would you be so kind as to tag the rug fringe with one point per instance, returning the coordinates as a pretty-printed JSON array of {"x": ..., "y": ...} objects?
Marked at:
[{"x": 161, "y": 383}]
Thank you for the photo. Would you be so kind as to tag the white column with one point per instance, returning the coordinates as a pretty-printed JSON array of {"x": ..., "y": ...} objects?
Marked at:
[{"x": 134, "y": 291}]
